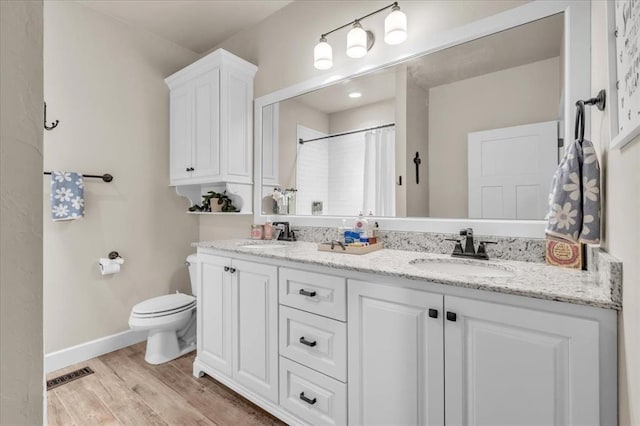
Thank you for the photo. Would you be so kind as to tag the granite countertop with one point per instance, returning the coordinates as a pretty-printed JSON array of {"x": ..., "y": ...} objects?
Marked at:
[{"x": 599, "y": 287}]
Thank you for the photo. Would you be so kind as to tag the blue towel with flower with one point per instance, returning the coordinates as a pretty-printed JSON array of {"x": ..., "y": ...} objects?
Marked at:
[
  {"x": 67, "y": 196},
  {"x": 574, "y": 201}
]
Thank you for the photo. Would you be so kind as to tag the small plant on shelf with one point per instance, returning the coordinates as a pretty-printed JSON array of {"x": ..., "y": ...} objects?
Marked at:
[{"x": 215, "y": 202}]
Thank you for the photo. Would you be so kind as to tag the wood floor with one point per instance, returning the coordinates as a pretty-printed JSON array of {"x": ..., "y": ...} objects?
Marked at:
[{"x": 125, "y": 390}]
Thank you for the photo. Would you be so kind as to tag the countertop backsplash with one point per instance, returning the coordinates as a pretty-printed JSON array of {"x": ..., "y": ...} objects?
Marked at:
[{"x": 507, "y": 248}]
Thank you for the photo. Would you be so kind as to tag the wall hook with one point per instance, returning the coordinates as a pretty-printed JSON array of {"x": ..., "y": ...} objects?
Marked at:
[{"x": 53, "y": 125}]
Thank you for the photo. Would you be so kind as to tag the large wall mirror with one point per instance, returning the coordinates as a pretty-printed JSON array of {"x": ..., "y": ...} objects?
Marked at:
[{"x": 471, "y": 132}]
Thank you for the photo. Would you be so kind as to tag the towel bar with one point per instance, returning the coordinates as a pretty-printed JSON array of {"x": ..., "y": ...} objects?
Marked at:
[{"x": 105, "y": 177}]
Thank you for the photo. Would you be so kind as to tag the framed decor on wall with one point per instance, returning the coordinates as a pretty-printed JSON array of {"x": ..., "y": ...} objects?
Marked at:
[{"x": 623, "y": 18}]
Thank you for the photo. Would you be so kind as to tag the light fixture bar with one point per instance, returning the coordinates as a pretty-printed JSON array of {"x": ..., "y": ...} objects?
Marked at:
[{"x": 359, "y": 19}]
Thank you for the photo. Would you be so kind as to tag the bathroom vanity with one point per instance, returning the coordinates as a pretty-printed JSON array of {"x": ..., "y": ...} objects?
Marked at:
[{"x": 394, "y": 337}]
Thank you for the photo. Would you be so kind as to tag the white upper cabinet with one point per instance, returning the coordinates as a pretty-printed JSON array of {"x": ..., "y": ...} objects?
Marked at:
[{"x": 211, "y": 118}]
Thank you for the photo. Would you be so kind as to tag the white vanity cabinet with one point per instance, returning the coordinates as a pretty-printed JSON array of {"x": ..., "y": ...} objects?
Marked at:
[
  {"x": 211, "y": 104},
  {"x": 238, "y": 323},
  {"x": 418, "y": 358}
]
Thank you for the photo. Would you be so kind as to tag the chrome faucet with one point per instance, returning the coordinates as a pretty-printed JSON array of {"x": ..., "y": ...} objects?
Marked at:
[{"x": 469, "y": 246}]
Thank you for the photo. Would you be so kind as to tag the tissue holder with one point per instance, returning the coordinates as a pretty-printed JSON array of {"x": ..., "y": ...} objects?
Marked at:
[{"x": 109, "y": 266}]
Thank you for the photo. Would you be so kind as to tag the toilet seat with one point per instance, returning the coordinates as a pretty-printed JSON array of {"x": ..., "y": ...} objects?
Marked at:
[{"x": 163, "y": 306}]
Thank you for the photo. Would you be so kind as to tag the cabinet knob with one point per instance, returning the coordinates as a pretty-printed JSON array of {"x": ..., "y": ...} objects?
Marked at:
[
  {"x": 433, "y": 313},
  {"x": 308, "y": 343},
  {"x": 226, "y": 269},
  {"x": 307, "y": 400},
  {"x": 451, "y": 316},
  {"x": 307, "y": 293},
  {"x": 232, "y": 270},
  {"x": 187, "y": 169}
]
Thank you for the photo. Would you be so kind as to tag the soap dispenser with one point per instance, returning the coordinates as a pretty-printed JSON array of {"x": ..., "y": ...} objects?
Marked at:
[{"x": 360, "y": 224}]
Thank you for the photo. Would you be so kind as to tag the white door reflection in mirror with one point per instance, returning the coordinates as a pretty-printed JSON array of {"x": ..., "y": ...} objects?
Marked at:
[{"x": 509, "y": 171}]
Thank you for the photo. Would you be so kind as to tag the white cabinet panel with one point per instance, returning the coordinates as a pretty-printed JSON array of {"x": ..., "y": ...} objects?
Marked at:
[
  {"x": 314, "y": 341},
  {"x": 206, "y": 140},
  {"x": 514, "y": 366},
  {"x": 237, "y": 106},
  {"x": 180, "y": 133},
  {"x": 255, "y": 327},
  {"x": 312, "y": 396},
  {"x": 395, "y": 356},
  {"x": 214, "y": 313}
]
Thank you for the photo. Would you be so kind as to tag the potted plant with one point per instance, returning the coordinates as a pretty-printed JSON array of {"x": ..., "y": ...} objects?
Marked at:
[{"x": 215, "y": 202}]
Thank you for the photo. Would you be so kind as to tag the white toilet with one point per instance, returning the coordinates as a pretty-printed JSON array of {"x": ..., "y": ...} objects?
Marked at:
[{"x": 170, "y": 320}]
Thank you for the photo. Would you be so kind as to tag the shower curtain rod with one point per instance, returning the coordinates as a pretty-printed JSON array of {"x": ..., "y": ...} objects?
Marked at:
[{"x": 302, "y": 142}]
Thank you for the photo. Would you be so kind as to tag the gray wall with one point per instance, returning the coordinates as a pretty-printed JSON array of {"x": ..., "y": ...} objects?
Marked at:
[
  {"x": 21, "y": 375},
  {"x": 104, "y": 80}
]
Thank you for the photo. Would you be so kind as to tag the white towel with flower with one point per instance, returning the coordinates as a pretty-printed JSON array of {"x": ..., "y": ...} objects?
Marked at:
[
  {"x": 67, "y": 196},
  {"x": 574, "y": 201}
]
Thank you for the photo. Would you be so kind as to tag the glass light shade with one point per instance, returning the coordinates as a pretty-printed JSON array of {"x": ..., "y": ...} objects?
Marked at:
[
  {"x": 356, "y": 42},
  {"x": 323, "y": 55},
  {"x": 395, "y": 27}
]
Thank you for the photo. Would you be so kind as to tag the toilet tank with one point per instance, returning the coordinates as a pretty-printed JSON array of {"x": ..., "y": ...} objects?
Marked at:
[{"x": 192, "y": 263}]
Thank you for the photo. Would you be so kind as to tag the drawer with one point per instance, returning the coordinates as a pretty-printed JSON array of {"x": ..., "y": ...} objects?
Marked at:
[
  {"x": 312, "y": 396},
  {"x": 314, "y": 341},
  {"x": 317, "y": 293}
]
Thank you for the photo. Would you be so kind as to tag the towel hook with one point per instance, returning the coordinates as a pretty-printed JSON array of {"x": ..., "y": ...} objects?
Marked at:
[
  {"x": 53, "y": 125},
  {"x": 599, "y": 101}
]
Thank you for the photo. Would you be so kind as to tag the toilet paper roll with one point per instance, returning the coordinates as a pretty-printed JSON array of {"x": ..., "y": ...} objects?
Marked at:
[{"x": 108, "y": 266}]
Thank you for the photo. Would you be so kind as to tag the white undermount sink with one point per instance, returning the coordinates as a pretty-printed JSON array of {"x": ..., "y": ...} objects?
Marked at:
[
  {"x": 262, "y": 246},
  {"x": 465, "y": 267}
]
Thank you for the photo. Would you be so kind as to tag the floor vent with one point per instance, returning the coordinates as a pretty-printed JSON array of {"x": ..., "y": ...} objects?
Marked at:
[{"x": 69, "y": 377}]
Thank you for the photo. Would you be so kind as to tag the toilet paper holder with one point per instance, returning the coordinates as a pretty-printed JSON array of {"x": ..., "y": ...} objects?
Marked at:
[{"x": 114, "y": 255}]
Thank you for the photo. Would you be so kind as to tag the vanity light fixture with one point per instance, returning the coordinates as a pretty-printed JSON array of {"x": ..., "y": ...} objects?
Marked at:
[
  {"x": 355, "y": 95},
  {"x": 359, "y": 40}
]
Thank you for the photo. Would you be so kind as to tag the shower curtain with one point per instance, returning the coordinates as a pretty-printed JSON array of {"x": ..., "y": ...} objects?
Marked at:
[{"x": 379, "y": 172}]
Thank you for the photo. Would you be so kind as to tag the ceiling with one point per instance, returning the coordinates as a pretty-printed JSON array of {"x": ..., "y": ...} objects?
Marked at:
[
  {"x": 374, "y": 87},
  {"x": 532, "y": 42},
  {"x": 197, "y": 25}
]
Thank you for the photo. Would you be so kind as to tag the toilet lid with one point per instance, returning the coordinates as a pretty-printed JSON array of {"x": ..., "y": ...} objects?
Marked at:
[{"x": 167, "y": 303}]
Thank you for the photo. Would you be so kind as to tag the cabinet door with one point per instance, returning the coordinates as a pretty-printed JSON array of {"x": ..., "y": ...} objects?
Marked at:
[
  {"x": 255, "y": 327},
  {"x": 214, "y": 313},
  {"x": 206, "y": 125},
  {"x": 395, "y": 366},
  {"x": 180, "y": 133},
  {"x": 237, "y": 127},
  {"x": 511, "y": 366}
]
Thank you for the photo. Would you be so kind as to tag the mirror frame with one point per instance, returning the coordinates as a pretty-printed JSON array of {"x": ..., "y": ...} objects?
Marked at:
[{"x": 576, "y": 83}]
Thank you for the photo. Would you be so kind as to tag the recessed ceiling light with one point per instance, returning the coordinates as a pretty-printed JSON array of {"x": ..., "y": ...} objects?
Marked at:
[{"x": 355, "y": 95}]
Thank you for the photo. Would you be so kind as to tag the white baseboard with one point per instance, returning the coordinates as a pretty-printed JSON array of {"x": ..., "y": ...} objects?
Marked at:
[{"x": 84, "y": 351}]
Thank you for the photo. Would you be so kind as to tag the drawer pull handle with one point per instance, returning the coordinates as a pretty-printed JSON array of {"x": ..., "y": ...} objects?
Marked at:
[
  {"x": 308, "y": 343},
  {"x": 307, "y": 400},
  {"x": 307, "y": 293}
]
